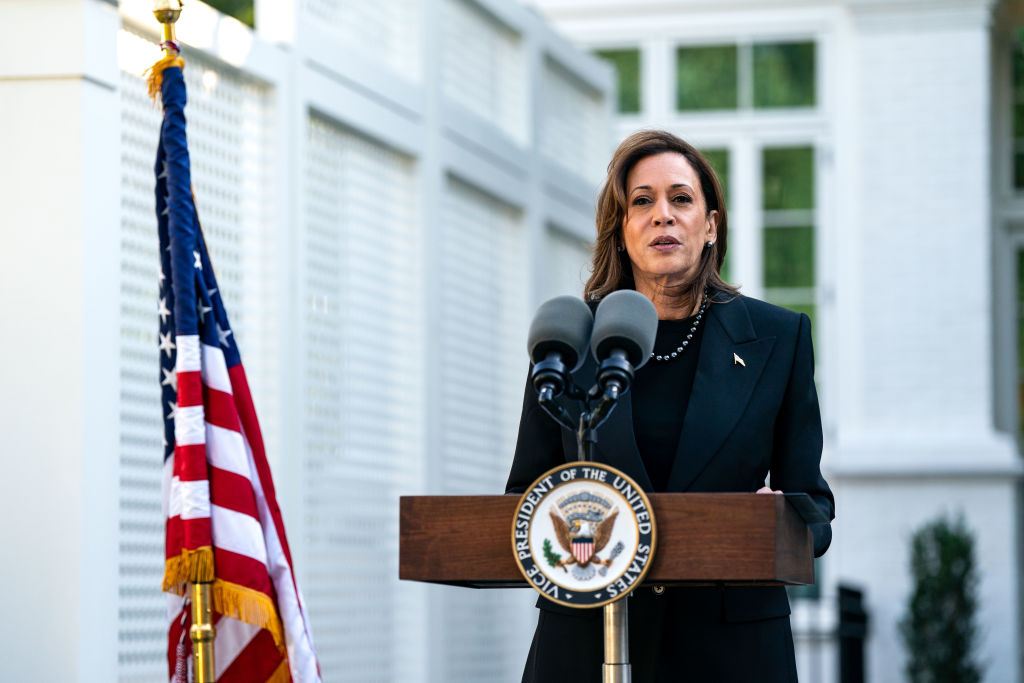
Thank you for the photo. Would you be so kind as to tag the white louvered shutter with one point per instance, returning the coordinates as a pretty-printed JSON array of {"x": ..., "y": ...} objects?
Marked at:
[
  {"x": 362, "y": 348},
  {"x": 567, "y": 263},
  {"x": 573, "y": 125},
  {"x": 483, "y": 67},
  {"x": 385, "y": 31},
  {"x": 482, "y": 328}
]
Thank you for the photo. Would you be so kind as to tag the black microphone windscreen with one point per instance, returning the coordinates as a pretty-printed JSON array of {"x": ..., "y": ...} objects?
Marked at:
[
  {"x": 561, "y": 324},
  {"x": 625, "y": 320}
]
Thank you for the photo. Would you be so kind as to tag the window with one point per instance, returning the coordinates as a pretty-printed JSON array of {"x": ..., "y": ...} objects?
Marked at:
[
  {"x": 1020, "y": 336},
  {"x": 784, "y": 75},
  {"x": 706, "y": 78},
  {"x": 719, "y": 160},
  {"x": 243, "y": 10},
  {"x": 778, "y": 75},
  {"x": 1018, "y": 113},
  {"x": 627, "y": 70},
  {"x": 788, "y": 210}
]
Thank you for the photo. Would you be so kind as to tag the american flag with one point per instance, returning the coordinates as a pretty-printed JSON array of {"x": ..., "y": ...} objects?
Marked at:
[{"x": 223, "y": 523}]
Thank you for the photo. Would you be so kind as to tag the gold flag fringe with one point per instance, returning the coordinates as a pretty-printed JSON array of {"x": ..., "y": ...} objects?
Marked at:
[
  {"x": 250, "y": 606},
  {"x": 154, "y": 75},
  {"x": 191, "y": 566},
  {"x": 281, "y": 673}
]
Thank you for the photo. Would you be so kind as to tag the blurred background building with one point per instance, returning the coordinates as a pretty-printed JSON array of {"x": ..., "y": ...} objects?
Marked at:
[{"x": 389, "y": 189}]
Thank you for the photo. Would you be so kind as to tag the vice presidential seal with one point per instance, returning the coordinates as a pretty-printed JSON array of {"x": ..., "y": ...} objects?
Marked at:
[{"x": 583, "y": 534}]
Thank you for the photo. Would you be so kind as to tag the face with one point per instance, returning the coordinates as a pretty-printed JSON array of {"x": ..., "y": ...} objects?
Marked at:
[{"x": 667, "y": 224}]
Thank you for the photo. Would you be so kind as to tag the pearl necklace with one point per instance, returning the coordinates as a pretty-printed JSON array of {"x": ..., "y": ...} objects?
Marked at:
[{"x": 689, "y": 335}]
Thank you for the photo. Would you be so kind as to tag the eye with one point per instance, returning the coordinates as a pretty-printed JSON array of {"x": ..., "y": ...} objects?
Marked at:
[
  {"x": 683, "y": 199},
  {"x": 641, "y": 200}
]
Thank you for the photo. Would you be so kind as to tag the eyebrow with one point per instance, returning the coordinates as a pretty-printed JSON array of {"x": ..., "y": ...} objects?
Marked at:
[{"x": 648, "y": 187}]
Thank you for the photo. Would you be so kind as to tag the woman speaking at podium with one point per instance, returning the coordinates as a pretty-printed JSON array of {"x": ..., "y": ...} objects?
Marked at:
[{"x": 725, "y": 404}]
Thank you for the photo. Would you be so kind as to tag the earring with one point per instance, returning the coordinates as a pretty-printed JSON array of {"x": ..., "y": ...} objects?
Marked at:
[
  {"x": 620, "y": 248},
  {"x": 709, "y": 244}
]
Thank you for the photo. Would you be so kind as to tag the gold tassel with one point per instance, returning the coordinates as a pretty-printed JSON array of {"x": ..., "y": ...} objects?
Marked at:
[
  {"x": 248, "y": 605},
  {"x": 154, "y": 75},
  {"x": 281, "y": 673},
  {"x": 191, "y": 566}
]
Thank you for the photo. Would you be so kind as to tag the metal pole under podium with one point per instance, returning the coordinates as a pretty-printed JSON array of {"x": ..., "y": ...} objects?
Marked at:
[{"x": 616, "y": 668}]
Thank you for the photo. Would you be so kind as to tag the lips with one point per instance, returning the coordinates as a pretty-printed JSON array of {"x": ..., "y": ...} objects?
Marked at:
[{"x": 664, "y": 242}]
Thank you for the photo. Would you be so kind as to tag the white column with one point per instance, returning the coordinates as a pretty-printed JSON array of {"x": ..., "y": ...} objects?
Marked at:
[{"x": 58, "y": 271}]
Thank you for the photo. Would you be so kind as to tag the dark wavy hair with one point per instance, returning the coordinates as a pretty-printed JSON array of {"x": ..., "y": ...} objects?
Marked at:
[{"x": 611, "y": 269}]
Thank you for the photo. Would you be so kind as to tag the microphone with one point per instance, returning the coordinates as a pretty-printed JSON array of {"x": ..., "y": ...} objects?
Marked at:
[
  {"x": 625, "y": 325},
  {"x": 557, "y": 343}
]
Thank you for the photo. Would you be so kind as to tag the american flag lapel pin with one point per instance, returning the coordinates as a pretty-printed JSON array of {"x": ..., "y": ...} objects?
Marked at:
[{"x": 736, "y": 360}]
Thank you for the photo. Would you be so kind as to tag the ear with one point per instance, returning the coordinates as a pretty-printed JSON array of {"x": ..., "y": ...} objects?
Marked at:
[{"x": 711, "y": 226}]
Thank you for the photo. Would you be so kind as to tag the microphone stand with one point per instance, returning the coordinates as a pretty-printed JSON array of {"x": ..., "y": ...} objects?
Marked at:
[{"x": 616, "y": 667}]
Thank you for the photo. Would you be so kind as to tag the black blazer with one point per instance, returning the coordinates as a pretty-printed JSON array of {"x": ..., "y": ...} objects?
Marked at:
[{"x": 743, "y": 423}]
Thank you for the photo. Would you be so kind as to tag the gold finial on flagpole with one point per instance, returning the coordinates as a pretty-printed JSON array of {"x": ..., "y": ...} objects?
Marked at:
[{"x": 167, "y": 12}]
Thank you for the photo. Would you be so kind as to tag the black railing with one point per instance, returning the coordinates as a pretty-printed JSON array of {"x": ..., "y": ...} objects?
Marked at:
[{"x": 852, "y": 631}]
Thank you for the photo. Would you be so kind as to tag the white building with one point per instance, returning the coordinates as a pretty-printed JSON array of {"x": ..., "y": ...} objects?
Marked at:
[
  {"x": 875, "y": 180},
  {"x": 386, "y": 188}
]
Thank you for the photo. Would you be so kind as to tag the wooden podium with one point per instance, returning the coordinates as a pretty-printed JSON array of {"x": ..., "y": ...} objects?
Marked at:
[{"x": 732, "y": 538}]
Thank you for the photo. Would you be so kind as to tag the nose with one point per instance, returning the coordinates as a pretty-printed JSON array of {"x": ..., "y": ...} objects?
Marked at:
[{"x": 663, "y": 213}]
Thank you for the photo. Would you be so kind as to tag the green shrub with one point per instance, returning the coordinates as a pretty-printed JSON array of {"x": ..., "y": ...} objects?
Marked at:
[{"x": 939, "y": 628}]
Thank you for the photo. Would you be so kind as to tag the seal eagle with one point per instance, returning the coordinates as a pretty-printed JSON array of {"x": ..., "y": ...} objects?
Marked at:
[{"x": 583, "y": 538}]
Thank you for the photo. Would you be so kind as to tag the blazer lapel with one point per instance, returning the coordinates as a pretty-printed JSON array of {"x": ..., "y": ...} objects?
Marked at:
[{"x": 721, "y": 388}]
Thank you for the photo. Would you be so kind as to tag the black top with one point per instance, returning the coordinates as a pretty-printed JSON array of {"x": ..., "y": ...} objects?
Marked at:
[{"x": 661, "y": 393}]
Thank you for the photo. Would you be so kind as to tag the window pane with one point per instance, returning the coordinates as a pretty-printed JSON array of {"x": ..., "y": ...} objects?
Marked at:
[
  {"x": 1018, "y": 112},
  {"x": 784, "y": 75},
  {"x": 627, "y": 68},
  {"x": 719, "y": 160},
  {"x": 1020, "y": 336},
  {"x": 789, "y": 257},
  {"x": 706, "y": 78},
  {"x": 788, "y": 178},
  {"x": 239, "y": 9}
]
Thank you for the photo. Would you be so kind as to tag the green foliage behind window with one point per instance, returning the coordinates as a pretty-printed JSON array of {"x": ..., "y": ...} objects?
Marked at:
[
  {"x": 1020, "y": 335},
  {"x": 243, "y": 10},
  {"x": 784, "y": 75},
  {"x": 627, "y": 69},
  {"x": 789, "y": 256},
  {"x": 706, "y": 78},
  {"x": 788, "y": 237},
  {"x": 1018, "y": 113},
  {"x": 719, "y": 160},
  {"x": 788, "y": 178}
]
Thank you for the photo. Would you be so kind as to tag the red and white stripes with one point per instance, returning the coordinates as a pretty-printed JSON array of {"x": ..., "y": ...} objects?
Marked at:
[{"x": 219, "y": 496}]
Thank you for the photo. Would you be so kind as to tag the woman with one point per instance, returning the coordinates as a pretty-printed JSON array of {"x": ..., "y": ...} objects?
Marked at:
[{"x": 727, "y": 399}]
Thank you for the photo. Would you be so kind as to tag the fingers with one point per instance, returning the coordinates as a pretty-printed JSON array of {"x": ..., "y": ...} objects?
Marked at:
[{"x": 765, "y": 489}]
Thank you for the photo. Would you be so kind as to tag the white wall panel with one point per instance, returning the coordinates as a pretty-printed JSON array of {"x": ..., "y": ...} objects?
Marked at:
[
  {"x": 363, "y": 399},
  {"x": 387, "y": 31},
  {"x": 566, "y": 264},
  {"x": 574, "y": 123},
  {"x": 228, "y": 117},
  {"x": 482, "y": 341},
  {"x": 483, "y": 67}
]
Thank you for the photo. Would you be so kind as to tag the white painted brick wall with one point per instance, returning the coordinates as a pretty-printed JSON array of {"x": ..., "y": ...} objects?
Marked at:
[{"x": 925, "y": 212}]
